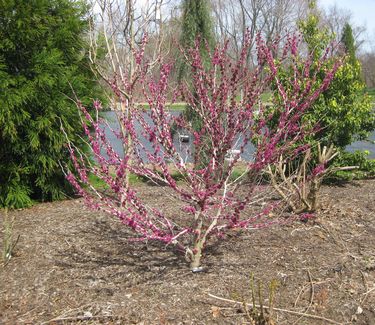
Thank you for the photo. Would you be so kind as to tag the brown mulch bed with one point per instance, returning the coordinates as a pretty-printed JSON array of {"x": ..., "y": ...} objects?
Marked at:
[{"x": 74, "y": 266}]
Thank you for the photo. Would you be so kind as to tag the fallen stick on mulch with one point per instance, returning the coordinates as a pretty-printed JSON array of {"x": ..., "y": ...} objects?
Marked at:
[
  {"x": 279, "y": 309},
  {"x": 78, "y": 318},
  {"x": 311, "y": 298}
]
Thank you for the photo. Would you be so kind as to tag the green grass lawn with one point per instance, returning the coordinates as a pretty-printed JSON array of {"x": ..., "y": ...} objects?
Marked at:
[
  {"x": 371, "y": 92},
  {"x": 265, "y": 97},
  {"x": 173, "y": 107},
  {"x": 97, "y": 183}
]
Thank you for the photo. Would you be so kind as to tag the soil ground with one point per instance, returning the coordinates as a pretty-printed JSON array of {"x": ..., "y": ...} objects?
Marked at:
[{"x": 75, "y": 266}]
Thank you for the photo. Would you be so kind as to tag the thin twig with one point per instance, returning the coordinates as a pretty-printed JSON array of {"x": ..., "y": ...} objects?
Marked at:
[
  {"x": 311, "y": 297},
  {"x": 282, "y": 310},
  {"x": 365, "y": 284},
  {"x": 312, "y": 290},
  {"x": 366, "y": 293},
  {"x": 299, "y": 295},
  {"x": 76, "y": 318}
]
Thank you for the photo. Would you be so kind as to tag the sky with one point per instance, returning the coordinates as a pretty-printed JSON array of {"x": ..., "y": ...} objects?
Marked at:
[{"x": 363, "y": 13}]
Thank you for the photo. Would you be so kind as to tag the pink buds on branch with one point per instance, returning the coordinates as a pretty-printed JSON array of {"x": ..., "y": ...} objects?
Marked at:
[{"x": 224, "y": 194}]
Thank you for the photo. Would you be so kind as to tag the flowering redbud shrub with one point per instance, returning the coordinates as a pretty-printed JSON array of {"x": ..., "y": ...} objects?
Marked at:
[{"x": 214, "y": 198}]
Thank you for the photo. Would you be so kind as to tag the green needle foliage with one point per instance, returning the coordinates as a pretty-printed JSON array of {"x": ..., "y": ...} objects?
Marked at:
[
  {"x": 42, "y": 58},
  {"x": 347, "y": 41},
  {"x": 196, "y": 24}
]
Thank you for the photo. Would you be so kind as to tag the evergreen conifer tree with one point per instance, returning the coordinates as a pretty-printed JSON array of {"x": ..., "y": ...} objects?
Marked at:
[
  {"x": 42, "y": 60},
  {"x": 347, "y": 41},
  {"x": 196, "y": 24}
]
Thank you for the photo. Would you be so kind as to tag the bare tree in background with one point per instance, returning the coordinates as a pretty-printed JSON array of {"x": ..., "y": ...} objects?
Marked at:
[
  {"x": 122, "y": 24},
  {"x": 233, "y": 18},
  {"x": 335, "y": 19},
  {"x": 273, "y": 18},
  {"x": 125, "y": 21},
  {"x": 368, "y": 68},
  {"x": 280, "y": 16},
  {"x": 119, "y": 30}
]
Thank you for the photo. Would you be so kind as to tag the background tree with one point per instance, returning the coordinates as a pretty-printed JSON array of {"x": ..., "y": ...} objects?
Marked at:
[
  {"x": 196, "y": 25},
  {"x": 347, "y": 41},
  {"x": 273, "y": 18},
  {"x": 335, "y": 19},
  {"x": 42, "y": 58},
  {"x": 196, "y": 22},
  {"x": 368, "y": 68}
]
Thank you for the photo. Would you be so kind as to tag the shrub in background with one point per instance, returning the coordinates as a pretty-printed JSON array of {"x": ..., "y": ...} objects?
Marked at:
[
  {"x": 344, "y": 112},
  {"x": 42, "y": 58},
  {"x": 365, "y": 166},
  {"x": 340, "y": 115}
]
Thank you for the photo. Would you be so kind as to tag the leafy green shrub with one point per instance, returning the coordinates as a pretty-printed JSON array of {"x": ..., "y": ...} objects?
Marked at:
[
  {"x": 366, "y": 167},
  {"x": 343, "y": 112}
]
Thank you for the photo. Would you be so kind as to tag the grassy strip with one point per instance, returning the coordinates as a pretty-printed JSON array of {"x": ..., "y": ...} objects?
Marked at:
[
  {"x": 266, "y": 97},
  {"x": 371, "y": 93},
  {"x": 171, "y": 106},
  {"x": 134, "y": 179},
  {"x": 180, "y": 106}
]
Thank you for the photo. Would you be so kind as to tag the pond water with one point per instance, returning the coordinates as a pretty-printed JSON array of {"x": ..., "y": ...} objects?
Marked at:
[
  {"x": 185, "y": 148},
  {"x": 364, "y": 145}
]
